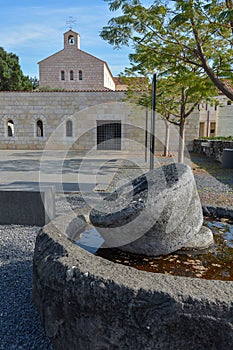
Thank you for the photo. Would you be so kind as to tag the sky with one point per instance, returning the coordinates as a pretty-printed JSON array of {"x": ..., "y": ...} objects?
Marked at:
[{"x": 33, "y": 30}]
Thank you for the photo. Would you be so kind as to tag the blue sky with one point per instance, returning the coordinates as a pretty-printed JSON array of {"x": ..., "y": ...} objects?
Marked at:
[{"x": 34, "y": 29}]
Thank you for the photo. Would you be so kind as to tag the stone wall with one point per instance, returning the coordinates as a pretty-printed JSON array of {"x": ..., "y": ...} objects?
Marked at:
[
  {"x": 84, "y": 109},
  {"x": 88, "y": 71},
  {"x": 53, "y": 108},
  {"x": 76, "y": 60},
  {"x": 191, "y": 132},
  {"x": 211, "y": 148}
]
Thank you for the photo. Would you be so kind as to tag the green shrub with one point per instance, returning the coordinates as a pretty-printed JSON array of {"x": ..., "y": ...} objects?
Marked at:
[{"x": 220, "y": 138}]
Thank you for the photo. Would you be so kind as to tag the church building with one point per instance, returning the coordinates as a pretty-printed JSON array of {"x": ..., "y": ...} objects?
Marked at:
[
  {"x": 82, "y": 107},
  {"x": 72, "y": 69}
]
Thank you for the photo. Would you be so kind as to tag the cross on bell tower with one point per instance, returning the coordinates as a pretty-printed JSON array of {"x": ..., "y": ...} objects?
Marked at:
[
  {"x": 71, "y": 38},
  {"x": 71, "y": 22}
]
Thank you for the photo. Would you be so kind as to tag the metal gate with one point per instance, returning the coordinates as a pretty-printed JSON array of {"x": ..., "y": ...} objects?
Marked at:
[{"x": 109, "y": 135}]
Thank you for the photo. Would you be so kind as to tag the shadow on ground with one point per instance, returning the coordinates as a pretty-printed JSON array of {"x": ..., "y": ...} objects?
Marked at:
[{"x": 214, "y": 168}]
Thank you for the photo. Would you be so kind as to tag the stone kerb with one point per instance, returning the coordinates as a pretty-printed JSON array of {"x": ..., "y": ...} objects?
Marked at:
[
  {"x": 34, "y": 206},
  {"x": 86, "y": 302}
]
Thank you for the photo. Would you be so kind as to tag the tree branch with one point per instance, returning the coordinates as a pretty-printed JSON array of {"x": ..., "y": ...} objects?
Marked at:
[{"x": 219, "y": 84}]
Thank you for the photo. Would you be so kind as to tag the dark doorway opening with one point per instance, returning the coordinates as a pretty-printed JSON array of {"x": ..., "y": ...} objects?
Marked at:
[{"x": 109, "y": 135}]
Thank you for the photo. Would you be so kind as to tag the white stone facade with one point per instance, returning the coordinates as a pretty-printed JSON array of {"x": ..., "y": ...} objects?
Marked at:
[
  {"x": 216, "y": 120},
  {"x": 37, "y": 115}
]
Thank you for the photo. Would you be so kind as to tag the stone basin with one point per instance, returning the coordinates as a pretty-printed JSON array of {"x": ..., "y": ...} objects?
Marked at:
[{"x": 86, "y": 302}]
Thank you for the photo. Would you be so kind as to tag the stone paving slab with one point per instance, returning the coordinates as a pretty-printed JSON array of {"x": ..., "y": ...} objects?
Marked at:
[{"x": 71, "y": 172}]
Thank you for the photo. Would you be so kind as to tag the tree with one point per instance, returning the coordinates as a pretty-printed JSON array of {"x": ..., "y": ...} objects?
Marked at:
[
  {"x": 197, "y": 33},
  {"x": 179, "y": 97},
  {"x": 11, "y": 75},
  {"x": 178, "y": 94},
  {"x": 35, "y": 82}
]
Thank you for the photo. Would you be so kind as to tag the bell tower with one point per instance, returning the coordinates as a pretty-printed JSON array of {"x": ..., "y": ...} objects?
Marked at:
[{"x": 71, "y": 40}]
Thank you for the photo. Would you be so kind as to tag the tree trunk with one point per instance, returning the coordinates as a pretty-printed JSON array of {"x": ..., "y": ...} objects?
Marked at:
[
  {"x": 181, "y": 141},
  {"x": 167, "y": 139}
]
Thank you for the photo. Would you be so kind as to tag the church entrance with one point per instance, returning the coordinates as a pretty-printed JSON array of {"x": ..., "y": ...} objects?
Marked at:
[{"x": 109, "y": 135}]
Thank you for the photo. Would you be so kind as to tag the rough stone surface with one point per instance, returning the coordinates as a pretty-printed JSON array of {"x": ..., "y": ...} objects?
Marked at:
[
  {"x": 202, "y": 240},
  {"x": 86, "y": 302},
  {"x": 215, "y": 149},
  {"x": 157, "y": 213}
]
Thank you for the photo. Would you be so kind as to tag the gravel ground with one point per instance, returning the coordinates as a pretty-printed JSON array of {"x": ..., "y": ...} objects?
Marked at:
[
  {"x": 20, "y": 327},
  {"x": 215, "y": 184}
]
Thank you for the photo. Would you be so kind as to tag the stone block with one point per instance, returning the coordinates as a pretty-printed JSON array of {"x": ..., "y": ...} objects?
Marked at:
[
  {"x": 27, "y": 207},
  {"x": 156, "y": 213},
  {"x": 227, "y": 158}
]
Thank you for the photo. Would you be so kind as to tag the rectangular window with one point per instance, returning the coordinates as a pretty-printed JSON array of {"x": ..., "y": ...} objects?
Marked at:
[
  {"x": 69, "y": 128},
  {"x": 62, "y": 75}
]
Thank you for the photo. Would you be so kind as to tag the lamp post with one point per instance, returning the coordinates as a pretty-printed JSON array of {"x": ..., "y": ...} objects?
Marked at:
[
  {"x": 146, "y": 134},
  {"x": 152, "y": 133}
]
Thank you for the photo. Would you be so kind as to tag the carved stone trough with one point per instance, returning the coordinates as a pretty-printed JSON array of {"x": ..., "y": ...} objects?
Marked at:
[{"x": 88, "y": 303}]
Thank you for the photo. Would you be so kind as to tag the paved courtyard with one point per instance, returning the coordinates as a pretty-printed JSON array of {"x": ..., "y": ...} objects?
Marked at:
[{"x": 69, "y": 172}]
